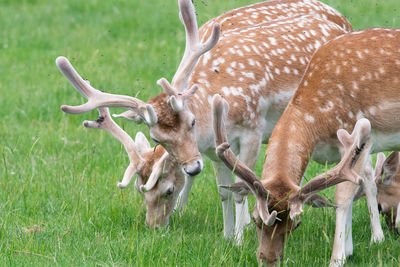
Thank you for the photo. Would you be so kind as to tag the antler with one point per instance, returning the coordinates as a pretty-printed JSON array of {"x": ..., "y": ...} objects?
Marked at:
[
  {"x": 193, "y": 50},
  {"x": 220, "y": 109},
  {"x": 354, "y": 145},
  {"x": 106, "y": 123},
  {"x": 98, "y": 99}
]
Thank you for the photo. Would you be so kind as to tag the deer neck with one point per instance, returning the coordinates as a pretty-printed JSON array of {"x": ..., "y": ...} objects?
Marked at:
[{"x": 289, "y": 150}]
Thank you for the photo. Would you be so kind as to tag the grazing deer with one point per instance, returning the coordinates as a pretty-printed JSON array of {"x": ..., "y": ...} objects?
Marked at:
[
  {"x": 257, "y": 68},
  {"x": 160, "y": 178},
  {"x": 353, "y": 76},
  {"x": 387, "y": 179}
]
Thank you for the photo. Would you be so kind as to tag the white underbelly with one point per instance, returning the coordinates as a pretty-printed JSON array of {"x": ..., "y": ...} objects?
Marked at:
[
  {"x": 385, "y": 141},
  {"x": 326, "y": 153}
]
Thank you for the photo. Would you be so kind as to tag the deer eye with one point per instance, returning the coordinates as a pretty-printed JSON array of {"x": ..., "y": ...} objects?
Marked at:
[
  {"x": 169, "y": 191},
  {"x": 193, "y": 122}
]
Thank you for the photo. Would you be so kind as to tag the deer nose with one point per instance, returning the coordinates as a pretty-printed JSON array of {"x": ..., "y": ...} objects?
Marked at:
[{"x": 193, "y": 168}]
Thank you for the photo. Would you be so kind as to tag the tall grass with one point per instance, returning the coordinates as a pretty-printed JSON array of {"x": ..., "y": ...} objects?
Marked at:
[{"x": 58, "y": 199}]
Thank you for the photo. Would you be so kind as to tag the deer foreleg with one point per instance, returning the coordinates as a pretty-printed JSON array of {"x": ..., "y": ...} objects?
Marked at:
[
  {"x": 224, "y": 177},
  {"x": 249, "y": 149},
  {"x": 369, "y": 187}
]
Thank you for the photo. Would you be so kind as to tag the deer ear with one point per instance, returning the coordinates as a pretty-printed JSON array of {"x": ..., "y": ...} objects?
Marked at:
[
  {"x": 240, "y": 188},
  {"x": 130, "y": 115},
  {"x": 318, "y": 201},
  {"x": 390, "y": 169},
  {"x": 142, "y": 144}
]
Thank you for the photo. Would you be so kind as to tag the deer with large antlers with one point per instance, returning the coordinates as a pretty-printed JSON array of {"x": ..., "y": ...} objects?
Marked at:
[
  {"x": 160, "y": 178},
  {"x": 351, "y": 77},
  {"x": 257, "y": 68}
]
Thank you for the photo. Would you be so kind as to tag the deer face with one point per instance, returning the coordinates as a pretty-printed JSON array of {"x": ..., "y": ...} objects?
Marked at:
[
  {"x": 176, "y": 132},
  {"x": 161, "y": 196},
  {"x": 161, "y": 200},
  {"x": 271, "y": 239}
]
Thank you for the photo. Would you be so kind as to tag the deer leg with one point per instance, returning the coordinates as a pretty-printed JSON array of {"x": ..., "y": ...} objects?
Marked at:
[
  {"x": 397, "y": 222},
  {"x": 349, "y": 237},
  {"x": 249, "y": 149},
  {"x": 184, "y": 195},
  {"x": 343, "y": 198},
  {"x": 224, "y": 177},
  {"x": 370, "y": 190}
]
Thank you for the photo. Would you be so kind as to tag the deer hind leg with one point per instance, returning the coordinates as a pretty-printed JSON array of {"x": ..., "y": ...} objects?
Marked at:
[
  {"x": 224, "y": 177},
  {"x": 369, "y": 188},
  {"x": 343, "y": 243},
  {"x": 250, "y": 144},
  {"x": 184, "y": 195}
]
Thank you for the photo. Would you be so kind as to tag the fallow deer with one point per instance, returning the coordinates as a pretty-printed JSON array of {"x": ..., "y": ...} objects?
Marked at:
[
  {"x": 257, "y": 68},
  {"x": 353, "y": 76},
  {"x": 160, "y": 178}
]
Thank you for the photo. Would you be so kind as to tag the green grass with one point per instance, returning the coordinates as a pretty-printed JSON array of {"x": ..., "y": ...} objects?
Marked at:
[{"x": 58, "y": 194}]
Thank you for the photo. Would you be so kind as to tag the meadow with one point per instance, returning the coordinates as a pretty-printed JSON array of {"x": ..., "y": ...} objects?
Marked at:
[{"x": 59, "y": 203}]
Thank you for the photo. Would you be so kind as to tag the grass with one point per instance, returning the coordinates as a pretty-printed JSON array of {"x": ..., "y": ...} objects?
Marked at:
[{"x": 58, "y": 199}]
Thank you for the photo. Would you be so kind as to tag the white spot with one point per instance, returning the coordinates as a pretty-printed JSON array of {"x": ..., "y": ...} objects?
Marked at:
[
  {"x": 272, "y": 41},
  {"x": 286, "y": 70},
  {"x": 309, "y": 118},
  {"x": 230, "y": 71},
  {"x": 248, "y": 74},
  {"x": 206, "y": 57},
  {"x": 337, "y": 70},
  {"x": 372, "y": 110},
  {"x": 327, "y": 108},
  {"x": 277, "y": 71}
]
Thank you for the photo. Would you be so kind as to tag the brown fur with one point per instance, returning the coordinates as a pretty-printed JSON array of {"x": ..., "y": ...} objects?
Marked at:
[{"x": 308, "y": 119}]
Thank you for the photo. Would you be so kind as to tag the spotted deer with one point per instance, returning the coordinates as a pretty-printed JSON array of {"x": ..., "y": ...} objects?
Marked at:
[
  {"x": 257, "y": 68},
  {"x": 353, "y": 76},
  {"x": 160, "y": 178},
  {"x": 271, "y": 241}
]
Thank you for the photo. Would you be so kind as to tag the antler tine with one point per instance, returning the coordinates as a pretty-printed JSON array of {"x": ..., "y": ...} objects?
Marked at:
[
  {"x": 98, "y": 99},
  {"x": 106, "y": 123},
  {"x": 220, "y": 108},
  {"x": 193, "y": 51},
  {"x": 354, "y": 146},
  {"x": 155, "y": 174}
]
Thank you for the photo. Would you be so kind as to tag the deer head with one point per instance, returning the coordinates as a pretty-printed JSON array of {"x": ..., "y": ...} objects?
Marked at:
[
  {"x": 139, "y": 111},
  {"x": 387, "y": 179},
  {"x": 160, "y": 178},
  {"x": 166, "y": 113},
  {"x": 277, "y": 204}
]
